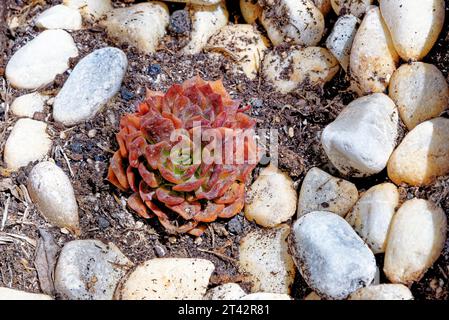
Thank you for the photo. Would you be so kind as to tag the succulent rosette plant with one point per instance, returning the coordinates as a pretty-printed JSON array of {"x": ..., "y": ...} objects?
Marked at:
[{"x": 186, "y": 156}]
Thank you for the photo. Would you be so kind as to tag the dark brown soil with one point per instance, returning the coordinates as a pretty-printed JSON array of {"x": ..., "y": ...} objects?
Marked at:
[{"x": 103, "y": 212}]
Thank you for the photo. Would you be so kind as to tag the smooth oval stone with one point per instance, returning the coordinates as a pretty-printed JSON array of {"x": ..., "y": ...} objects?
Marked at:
[
  {"x": 324, "y": 6},
  {"x": 423, "y": 154},
  {"x": 245, "y": 43},
  {"x": 60, "y": 17},
  {"x": 288, "y": 70},
  {"x": 167, "y": 279},
  {"x": 420, "y": 91},
  {"x": 263, "y": 255},
  {"x": 321, "y": 191},
  {"x": 206, "y": 21},
  {"x": 52, "y": 192},
  {"x": 39, "y": 61},
  {"x": 298, "y": 21},
  {"x": 271, "y": 199},
  {"x": 227, "y": 291},
  {"x": 341, "y": 38},
  {"x": 27, "y": 142},
  {"x": 383, "y": 292},
  {"x": 203, "y": 2},
  {"x": 12, "y": 294},
  {"x": 354, "y": 7},
  {"x": 371, "y": 216},
  {"x": 331, "y": 257},
  {"x": 415, "y": 241},
  {"x": 89, "y": 270},
  {"x": 414, "y": 25},
  {"x": 373, "y": 57},
  {"x": 28, "y": 104},
  {"x": 91, "y": 10},
  {"x": 142, "y": 25},
  {"x": 92, "y": 83},
  {"x": 360, "y": 141}
]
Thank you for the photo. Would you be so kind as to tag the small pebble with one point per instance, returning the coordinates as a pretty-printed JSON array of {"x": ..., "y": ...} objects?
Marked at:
[
  {"x": 160, "y": 250},
  {"x": 180, "y": 22},
  {"x": 154, "y": 69},
  {"x": 92, "y": 133}
]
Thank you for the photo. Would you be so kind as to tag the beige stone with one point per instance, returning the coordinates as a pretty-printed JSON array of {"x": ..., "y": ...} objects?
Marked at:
[
  {"x": 251, "y": 10},
  {"x": 373, "y": 57},
  {"x": 91, "y": 10},
  {"x": 420, "y": 92},
  {"x": 423, "y": 155},
  {"x": 383, "y": 292},
  {"x": 415, "y": 241}
]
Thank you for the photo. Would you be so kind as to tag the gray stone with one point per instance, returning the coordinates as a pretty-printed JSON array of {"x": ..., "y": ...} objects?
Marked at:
[
  {"x": 331, "y": 257},
  {"x": 89, "y": 270},
  {"x": 93, "y": 82}
]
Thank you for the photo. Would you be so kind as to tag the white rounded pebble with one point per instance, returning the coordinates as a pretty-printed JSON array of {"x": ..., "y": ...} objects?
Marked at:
[
  {"x": 272, "y": 199},
  {"x": 89, "y": 270},
  {"x": 414, "y": 25},
  {"x": 167, "y": 279},
  {"x": 362, "y": 138},
  {"x": 91, "y": 10},
  {"x": 371, "y": 216},
  {"x": 52, "y": 192},
  {"x": 263, "y": 255},
  {"x": 142, "y": 25},
  {"x": 331, "y": 257},
  {"x": 227, "y": 291},
  {"x": 28, "y": 104},
  {"x": 60, "y": 17},
  {"x": 383, "y": 292},
  {"x": 39, "y": 61},
  {"x": 27, "y": 142},
  {"x": 321, "y": 191},
  {"x": 92, "y": 83},
  {"x": 415, "y": 241}
]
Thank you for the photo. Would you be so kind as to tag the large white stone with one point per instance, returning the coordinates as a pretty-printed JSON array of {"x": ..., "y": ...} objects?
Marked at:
[
  {"x": 52, "y": 192},
  {"x": 28, "y": 104},
  {"x": 414, "y": 25},
  {"x": 288, "y": 70},
  {"x": 299, "y": 21},
  {"x": 92, "y": 83},
  {"x": 362, "y": 138},
  {"x": 371, "y": 216},
  {"x": 420, "y": 91},
  {"x": 39, "y": 61},
  {"x": 354, "y": 7},
  {"x": 12, "y": 294},
  {"x": 341, "y": 38},
  {"x": 27, "y": 142},
  {"x": 245, "y": 43},
  {"x": 321, "y": 191},
  {"x": 331, "y": 257},
  {"x": 227, "y": 291},
  {"x": 383, "y": 292},
  {"x": 206, "y": 21},
  {"x": 142, "y": 25},
  {"x": 60, "y": 17},
  {"x": 423, "y": 154},
  {"x": 263, "y": 255},
  {"x": 91, "y": 10},
  {"x": 272, "y": 199},
  {"x": 415, "y": 241},
  {"x": 373, "y": 57},
  {"x": 89, "y": 270},
  {"x": 167, "y": 279}
]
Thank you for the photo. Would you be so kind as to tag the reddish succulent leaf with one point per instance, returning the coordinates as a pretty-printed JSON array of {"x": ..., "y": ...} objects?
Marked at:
[{"x": 136, "y": 203}]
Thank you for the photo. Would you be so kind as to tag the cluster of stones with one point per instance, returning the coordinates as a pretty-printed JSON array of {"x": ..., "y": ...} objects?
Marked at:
[{"x": 337, "y": 231}]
